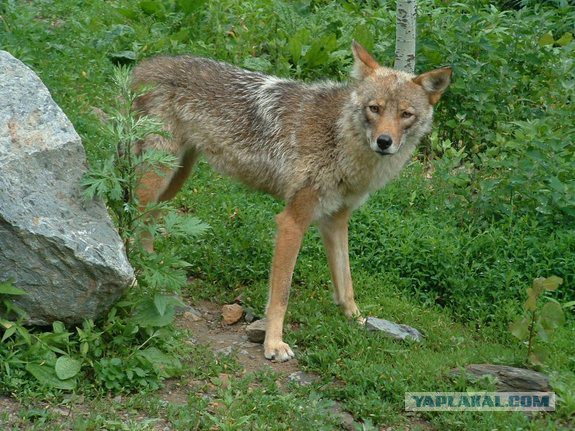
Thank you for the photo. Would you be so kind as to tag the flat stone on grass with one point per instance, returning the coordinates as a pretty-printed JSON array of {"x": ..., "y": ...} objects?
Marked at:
[
  {"x": 302, "y": 378},
  {"x": 507, "y": 379},
  {"x": 393, "y": 330}
]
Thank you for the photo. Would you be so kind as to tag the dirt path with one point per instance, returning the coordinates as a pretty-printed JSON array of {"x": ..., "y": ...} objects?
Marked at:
[
  {"x": 225, "y": 339},
  {"x": 207, "y": 328},
  {"x": 204, "y": 321}
]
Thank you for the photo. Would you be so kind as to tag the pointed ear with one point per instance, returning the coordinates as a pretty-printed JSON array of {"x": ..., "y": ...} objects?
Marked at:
[
  {"x": 364, "y": 64},
  {"x": 434, "y": 82}
]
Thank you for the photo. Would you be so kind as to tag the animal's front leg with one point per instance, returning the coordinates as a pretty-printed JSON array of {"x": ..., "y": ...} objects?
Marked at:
[
  {"x": 334, "y": 233},
  {"x": 291, "y": 226}
]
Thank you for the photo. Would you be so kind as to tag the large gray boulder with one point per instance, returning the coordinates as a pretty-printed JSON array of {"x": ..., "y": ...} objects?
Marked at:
[{"x": 61, "y": 249}]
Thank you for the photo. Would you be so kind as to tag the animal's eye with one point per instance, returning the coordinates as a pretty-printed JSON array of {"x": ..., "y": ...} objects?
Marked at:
[
  {"x": 374, "y": 109},
  {"x": 406, "y": 114}
]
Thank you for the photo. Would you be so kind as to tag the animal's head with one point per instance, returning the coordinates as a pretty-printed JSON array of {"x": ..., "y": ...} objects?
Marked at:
[{"x": 395, "y": 107}]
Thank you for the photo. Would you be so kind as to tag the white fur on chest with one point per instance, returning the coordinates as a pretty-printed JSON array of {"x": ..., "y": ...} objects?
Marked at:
[{"x": 387, "y": 168}]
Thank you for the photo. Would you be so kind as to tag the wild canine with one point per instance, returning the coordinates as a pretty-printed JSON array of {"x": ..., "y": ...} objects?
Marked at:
[{"x": 322, "y": 147}]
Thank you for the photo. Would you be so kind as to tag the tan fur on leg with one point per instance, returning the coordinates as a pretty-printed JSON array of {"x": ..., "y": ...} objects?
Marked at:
[
  {"x": 156, "y": 186},
  {"x": 292, "y": 225},
  {"x": 334, "y": 233},
  {"x": 149, "y": 188}
]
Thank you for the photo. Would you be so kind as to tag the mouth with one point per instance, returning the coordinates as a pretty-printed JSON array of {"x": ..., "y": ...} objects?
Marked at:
[{"x": 383, "y": 153}]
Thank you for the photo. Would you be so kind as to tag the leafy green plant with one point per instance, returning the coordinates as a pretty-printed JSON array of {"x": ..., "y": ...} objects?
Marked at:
[
  {"x": 447, "y": 247},
  {"x": 134, "y": 347},
  {"x": 8, "y": 310},
  {"x": 563, "y": 383},
  {"x": 118, "y": 355},
  {"x": 115, "y": 179},
  {"x": 540, "y": 323}
]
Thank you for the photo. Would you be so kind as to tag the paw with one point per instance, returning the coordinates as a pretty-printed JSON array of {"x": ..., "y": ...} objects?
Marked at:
[
  {"x": 278, "y": 351},
  {"x": 357, "y": 317},
  {"x": 352, "y": 312}
]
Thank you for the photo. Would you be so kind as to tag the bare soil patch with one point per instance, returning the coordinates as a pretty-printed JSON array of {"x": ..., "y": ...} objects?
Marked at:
[{"x": 226, "y": 339}]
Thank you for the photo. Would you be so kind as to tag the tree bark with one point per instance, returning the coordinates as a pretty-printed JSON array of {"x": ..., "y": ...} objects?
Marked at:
[{"x": 405, "y": 35}]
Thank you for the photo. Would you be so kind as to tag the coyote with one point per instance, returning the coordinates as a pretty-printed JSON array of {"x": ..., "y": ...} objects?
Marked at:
[{"x": 322, "y": 147}]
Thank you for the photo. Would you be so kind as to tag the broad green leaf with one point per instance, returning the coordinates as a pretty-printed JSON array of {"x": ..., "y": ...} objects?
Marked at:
[
  {"x": 58, "y": 327},
  {"x": 556, "y": 184},
  {"x": 84, "y": 348},
  {"x": 190, "y": 6},
  {"x": 168, "y": 364},
  {"x": 161, "y": 302},
  {"x": 152, "y": 7},
  {"x": 23, "y": 332},
  {"x": 538, "y": 355},
  {"x": 139, "y": 372},
  {"x": 531, "y": 302},
  {"x": 181, "y": 36},
  {"x": 147, "y": 315},
  {"x": 47, "y": 377},
  {"x": 551, "y": 283},
  {"x": 569, "y": 304},
  {"x": 9, "y": 332},
  {"x": 257, "y": 63},
  {"x": 295, "y": 47},
  {"x": 565, "y": 39},
  {"x": 155, "y": 356},
  {"x": 6, "y": 288},
  {"x": 542, "y": 333},
  {"x": 66, "y": 367},
  {"x": 546, "y": 39},
  {"x": 520, "y": 328},
  {"x": 123, "y": 57},
  {"x": 552, "y": 316},
  {"x": 537, "y": 286},
  {"x": 318, "y": 53},
  {"x": 364, "y": 35},
  {"x": 128, "y": 13}
]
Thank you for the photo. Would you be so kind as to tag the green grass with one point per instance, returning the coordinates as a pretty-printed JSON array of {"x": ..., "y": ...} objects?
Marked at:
[
  {"x": 234, "y": 258},
  {"x": 424, "y": 251}
]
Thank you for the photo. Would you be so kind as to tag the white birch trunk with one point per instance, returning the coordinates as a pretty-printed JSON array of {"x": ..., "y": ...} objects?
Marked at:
[{"x": 405, "y": 35}]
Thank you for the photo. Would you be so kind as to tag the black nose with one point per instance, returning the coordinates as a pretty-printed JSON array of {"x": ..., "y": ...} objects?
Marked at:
[{"x": 384, "y": 142}]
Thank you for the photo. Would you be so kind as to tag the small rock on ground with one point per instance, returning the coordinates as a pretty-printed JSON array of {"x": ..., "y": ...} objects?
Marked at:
[
  {"x": 394, "y": 330},
  {"x": 224, "y": 351},
  {"x": 192, "y": 315},
  {"x": 188, "y": 312},
  {"x": 346, "y": 420},
  {"x": 250, "y": 316},
  {"x": 224, "y": 380},
  {"x": 302, "y": 378},
  {"x": 231, "y": 313},
  {"x": 256, "y": 331}
]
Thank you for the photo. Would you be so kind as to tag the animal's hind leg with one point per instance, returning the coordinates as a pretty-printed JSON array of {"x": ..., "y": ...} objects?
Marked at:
[{"x": 158, "y": 184}]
